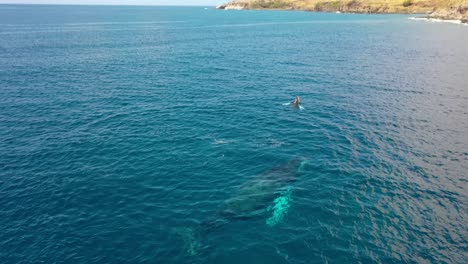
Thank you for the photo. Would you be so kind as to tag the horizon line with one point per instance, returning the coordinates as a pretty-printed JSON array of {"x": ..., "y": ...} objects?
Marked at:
[{"x": 104, "y": 4}]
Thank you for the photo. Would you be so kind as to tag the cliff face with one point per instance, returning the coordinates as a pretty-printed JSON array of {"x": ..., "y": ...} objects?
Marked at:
[
  {"x": 444, "y": 9},
  {"x": 455, "y": 12}
]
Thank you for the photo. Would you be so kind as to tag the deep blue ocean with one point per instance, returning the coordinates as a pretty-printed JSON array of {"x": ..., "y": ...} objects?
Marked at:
[{"x": 126, "y": 132}]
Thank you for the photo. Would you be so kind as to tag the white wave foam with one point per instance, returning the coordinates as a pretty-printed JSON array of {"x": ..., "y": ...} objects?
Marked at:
[
  {"x": 220, "y": 141},
  {"x": 300, "y": 107},
  {"x": 437, "y": 20},
  {"x": 276, "y": 143}
]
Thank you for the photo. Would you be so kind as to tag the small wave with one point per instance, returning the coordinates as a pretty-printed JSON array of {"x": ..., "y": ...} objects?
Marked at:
[
  {"x": 65, "y": 30},
  {"x": 220, "y": 141},
  {"x": 454, "y": 21},
  {"x": 276, "y": 143},
  {"x": 258, "y": 24},
  {"x": 97, "y": 23},
  {"x": 122, "y": 23}
]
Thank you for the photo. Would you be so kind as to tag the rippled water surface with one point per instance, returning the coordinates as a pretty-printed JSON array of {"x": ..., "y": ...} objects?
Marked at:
[{"x": 126, "y": 132}]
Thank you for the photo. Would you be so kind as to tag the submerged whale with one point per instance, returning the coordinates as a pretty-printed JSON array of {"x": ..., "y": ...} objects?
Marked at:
[
  {"x": 253, "y": 197},
  {"x": 267, "y": 192}
]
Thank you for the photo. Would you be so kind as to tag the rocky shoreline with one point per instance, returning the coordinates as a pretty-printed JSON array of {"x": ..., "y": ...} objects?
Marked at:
[
  {"x": 455, "y": 13},
  {"x": 452, "y": 11}
]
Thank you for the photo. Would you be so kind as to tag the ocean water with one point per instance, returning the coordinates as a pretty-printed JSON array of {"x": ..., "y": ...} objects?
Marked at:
[{"x": 126, "y": 131}]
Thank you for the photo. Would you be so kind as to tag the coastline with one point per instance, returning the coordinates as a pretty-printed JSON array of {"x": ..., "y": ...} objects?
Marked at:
[{"x": 453, "y": 13}]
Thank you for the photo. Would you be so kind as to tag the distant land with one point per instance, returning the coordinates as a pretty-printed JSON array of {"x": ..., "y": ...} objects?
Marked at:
[{"x": 439, "y": 9}]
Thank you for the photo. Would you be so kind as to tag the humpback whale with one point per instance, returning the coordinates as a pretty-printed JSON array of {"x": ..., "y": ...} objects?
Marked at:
[
  {"x": 253, "y": 197},
  {"x": 268, "y": 192}
]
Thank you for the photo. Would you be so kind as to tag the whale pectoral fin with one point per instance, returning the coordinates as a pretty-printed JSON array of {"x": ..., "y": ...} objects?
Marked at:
[{"x": 280, "y": 207}]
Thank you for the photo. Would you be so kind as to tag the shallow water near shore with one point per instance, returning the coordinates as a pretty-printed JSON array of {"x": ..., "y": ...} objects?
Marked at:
[{"x": 124, "y": 129}]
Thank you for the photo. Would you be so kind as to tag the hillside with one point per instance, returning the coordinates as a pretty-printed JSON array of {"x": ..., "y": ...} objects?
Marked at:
[{"x": 444, "y": 9}]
